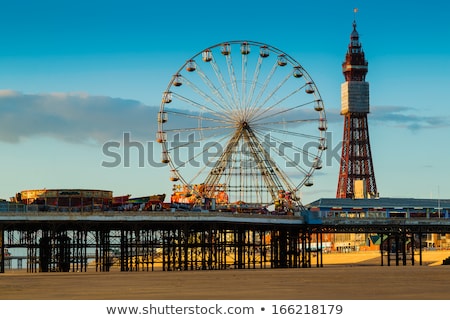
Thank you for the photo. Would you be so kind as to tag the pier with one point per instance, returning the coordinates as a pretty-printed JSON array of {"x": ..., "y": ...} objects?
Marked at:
[{"x": 176, "y": 241}]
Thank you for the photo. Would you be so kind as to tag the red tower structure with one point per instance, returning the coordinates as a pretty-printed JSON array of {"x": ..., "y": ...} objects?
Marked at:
[{"x": 356, "y": 174}]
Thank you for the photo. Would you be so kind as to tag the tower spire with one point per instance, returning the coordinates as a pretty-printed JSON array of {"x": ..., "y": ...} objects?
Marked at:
[{"x": 356, "y": 174}]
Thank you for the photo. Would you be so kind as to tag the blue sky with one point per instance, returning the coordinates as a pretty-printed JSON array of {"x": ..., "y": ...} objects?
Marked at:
[{"x": 75, "y": 75}]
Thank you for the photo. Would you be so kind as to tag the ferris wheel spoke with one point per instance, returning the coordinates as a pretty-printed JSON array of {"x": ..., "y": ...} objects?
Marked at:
[
  {"x": 269, "y": 108},
  {"x": 177, "y": 145},
  {"x": 219, "y": 105},
  {"x": 254, "y": 80},
  {"x": 263, "y": 133},
  {"x": 233, "y": 82},
  {"x": 289, "y": 161},
  {"x": 285, "y": 122},
  {"x": 200, "y": 116},
  {"x": 193, "y": 129},
  {"x": 281, "y": 111},
  {"x": 180, "y": 147},
  {"x": 223, "y": 103},
  {"x": 244, "y": 77},
  {"x": 275, "y": 90},
  {"x": 264, "y": 87},
  {"x": 191, "y": 159},
  {"x": 293, "y": 163},
  {"x": 266, "y": 130},
  {"x": 220, "y": 78},
  {"x": 288, "y": 145},
  {"x": 200, "y": 106}
]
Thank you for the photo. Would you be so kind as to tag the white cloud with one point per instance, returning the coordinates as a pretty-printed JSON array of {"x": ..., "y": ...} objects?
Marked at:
[
  {"x": 409, "y": 118},
  {"x": 398, "y": 116},
  {"x": 73, "y": 117},
  {"x": 8, "y": 93}
]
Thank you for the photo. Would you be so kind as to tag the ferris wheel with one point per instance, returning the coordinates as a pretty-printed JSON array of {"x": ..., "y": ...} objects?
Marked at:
[{"x": 241, "y": 122}]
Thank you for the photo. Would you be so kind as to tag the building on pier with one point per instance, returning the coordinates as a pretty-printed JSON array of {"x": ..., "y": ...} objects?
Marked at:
[
  {"x": 382, "y": 208},
  {"x": 65, "y": 199}
]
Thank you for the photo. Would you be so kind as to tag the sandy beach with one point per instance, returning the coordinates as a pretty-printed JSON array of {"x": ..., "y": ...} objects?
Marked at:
[{"x": 351, "y": 276}]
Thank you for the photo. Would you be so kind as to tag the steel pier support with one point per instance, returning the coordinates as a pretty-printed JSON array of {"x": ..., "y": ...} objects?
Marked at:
[{"x": 2, "y": 251}]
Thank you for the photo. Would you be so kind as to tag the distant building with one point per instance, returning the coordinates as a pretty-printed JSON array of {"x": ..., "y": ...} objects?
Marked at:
[
  {"x": 407, "y": 208},
  {"x": 65, "y": 199},
  {"x": 356, "y": 173}
]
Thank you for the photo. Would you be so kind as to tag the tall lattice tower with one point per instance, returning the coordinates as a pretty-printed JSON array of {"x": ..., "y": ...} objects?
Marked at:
[{"x": 356, "y": 175}]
